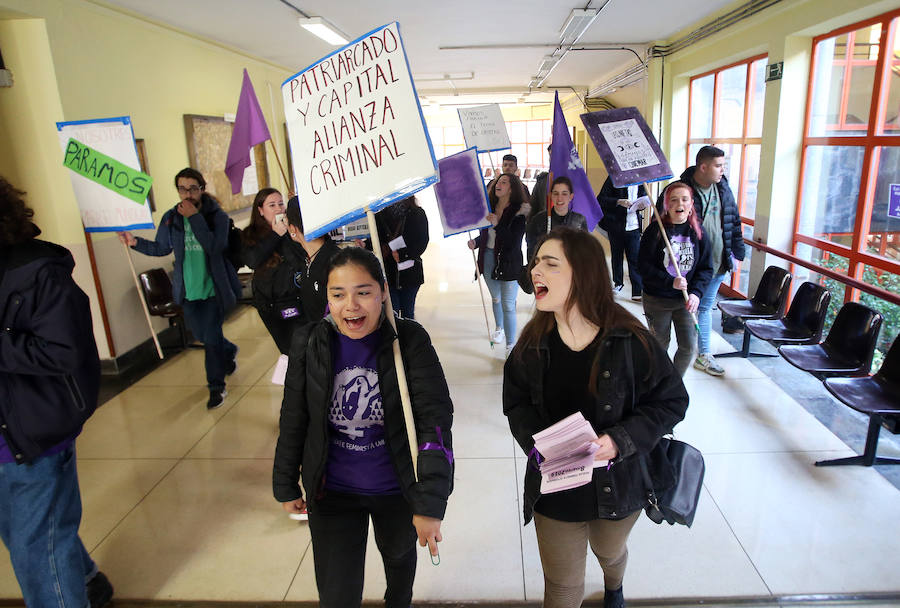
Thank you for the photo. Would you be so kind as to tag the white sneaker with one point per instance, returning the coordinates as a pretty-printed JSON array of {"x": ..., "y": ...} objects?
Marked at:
[
  {"x": 706, "y": 363},
  {"x": 509, "y": 349},
  {"x": 499, "y": 336}
]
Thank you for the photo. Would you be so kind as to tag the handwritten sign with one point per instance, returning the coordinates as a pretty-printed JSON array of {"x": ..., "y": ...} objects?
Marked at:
[
  {"x": 110, "y": 189},
  {"x": 461, "y": 196},
  {"x": 107, "y": 171},
  {"x": 483, "y": 128},
  {"x": 626, "y": 146},
  {"x": 357, "y": 134}
]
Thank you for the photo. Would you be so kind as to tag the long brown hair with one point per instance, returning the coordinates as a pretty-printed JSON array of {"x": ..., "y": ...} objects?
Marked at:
[
  {"x": 591, "y": 292},
  {"x": 259, "y": 228},
  {"x": 516, "y": 196}
]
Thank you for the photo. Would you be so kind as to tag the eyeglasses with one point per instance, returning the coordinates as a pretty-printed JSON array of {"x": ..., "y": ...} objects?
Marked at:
[{"x": 189, "y": 190}]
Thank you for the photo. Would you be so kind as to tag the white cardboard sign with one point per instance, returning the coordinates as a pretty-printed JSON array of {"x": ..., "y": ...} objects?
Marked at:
[{"x": 483, "y": 128}]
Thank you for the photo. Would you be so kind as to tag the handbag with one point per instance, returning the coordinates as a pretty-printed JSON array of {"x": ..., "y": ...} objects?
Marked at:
[{"x": 678, "y": 504}]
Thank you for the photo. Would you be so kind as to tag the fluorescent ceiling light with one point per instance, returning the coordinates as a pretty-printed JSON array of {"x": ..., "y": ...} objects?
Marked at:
[
  {"x": 578, "y": 22},
  {"x": 324, "y": 30}
]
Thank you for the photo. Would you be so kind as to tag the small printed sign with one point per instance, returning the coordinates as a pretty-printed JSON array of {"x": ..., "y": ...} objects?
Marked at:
[{"x": 894, "y": 204}]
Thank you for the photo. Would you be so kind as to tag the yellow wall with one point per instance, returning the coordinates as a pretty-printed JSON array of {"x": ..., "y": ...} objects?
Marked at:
[{"x": 77, "y": 60}]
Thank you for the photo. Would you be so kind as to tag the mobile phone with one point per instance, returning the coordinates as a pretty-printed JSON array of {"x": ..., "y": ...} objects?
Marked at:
[{"x": 279, "y": 218}]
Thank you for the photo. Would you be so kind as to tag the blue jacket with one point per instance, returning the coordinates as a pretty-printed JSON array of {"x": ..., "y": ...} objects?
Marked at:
[
  {"x": 210, "y": 227},
  {"x": 49, "y": 367}
]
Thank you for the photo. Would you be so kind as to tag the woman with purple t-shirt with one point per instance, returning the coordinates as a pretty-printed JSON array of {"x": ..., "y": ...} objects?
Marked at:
[{"x": 342, "y": 427}]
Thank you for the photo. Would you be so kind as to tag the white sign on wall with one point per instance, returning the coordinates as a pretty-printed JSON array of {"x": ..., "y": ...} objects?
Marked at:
[{"x": 483, "y": 128}]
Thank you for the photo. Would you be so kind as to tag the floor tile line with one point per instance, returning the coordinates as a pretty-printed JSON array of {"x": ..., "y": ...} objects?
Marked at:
[
  {"x": 297, "y": 571},
  {"x": 521, "y": 531}
]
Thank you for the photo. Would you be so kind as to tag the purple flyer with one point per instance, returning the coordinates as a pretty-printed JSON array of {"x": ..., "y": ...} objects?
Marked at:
[
  {"x": 461, "y": 196},
  {"x": 627, "y": 147},
  {"x": 894, "y": 205}
]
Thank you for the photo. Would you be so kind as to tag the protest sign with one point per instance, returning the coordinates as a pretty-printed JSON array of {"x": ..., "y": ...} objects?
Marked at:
[
  {"x": 355, "y": 230},
  {"x": 461, "y": 196},
  {"x": 357, "y": 134},
  {"x": 626, "y": 146},
  {"x": 109, "y": 187},
  {"x": 483, "y": 128}
]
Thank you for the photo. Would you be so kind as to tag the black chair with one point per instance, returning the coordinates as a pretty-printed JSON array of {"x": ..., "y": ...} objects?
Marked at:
[
  {"x": 846, "y": 351},
  {"x": 768, "y": 302},
  {"x": 157, "y": 288},
  {"x": 876, "y": 396},
  {"x": 802, "y": 324}
]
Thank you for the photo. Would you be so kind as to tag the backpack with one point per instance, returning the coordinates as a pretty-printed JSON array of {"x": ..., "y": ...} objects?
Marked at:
[{"x": 233, "y": 249}]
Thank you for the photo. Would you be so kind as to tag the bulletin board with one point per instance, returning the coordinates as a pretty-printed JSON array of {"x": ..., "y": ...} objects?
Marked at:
[{"x": 207, "y": 141}]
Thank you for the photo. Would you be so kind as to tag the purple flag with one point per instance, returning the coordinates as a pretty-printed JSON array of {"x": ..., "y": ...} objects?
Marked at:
[
  {"x": 564, "y": 161},
  {"x": 249, "y": 130}
]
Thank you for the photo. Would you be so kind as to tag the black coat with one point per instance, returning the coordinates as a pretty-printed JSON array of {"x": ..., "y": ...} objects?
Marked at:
[
  {"x": 49, "y": 367},
  {"x": 657, "y": 280},
  {"x": 303, "y": 438},
  {"x": 639, "y": 398},
  {"x": 278, "y": 285},
  {"x": 507, "y": 246},
  {"x": 313, "y": 282},
  {"x": 412, "y": 225},
  {"x": 614, "y": 214}
]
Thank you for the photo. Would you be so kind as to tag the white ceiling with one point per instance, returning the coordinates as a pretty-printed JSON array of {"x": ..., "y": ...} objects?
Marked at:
[{"x": 268, "y": 29}]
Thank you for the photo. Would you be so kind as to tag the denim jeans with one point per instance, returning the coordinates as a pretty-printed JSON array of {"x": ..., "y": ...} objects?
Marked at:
[
  {"x": 661, "y": 314},
  {"x": 40, "y": 510},
  {"x": 403, "y": 300},
  {"x": 339, "y": 526},
  {"x": 503, "y": 299},
  {"x": 205, "y": 321},
  {"x": 627, "y": 243},
  {"x": 703, "y": 311}
]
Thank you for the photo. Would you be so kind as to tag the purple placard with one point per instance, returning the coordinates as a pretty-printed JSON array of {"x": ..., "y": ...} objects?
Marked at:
[
  {"x": 461, "y": 195},
  {"x": 627, "y": 147},
  {"x": 894, "y": 204}
]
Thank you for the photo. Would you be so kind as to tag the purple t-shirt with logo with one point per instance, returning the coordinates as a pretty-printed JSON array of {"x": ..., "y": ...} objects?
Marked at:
[{"x": 358, "y": 458}]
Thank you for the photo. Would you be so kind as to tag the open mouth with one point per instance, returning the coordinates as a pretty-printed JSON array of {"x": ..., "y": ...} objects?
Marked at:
[
  {"x": 540, "y": 290},
  {"x": 355, "y": 323}
]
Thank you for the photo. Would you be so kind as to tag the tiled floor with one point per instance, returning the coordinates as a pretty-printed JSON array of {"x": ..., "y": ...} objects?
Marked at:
[{"x": 178, "y": 504}]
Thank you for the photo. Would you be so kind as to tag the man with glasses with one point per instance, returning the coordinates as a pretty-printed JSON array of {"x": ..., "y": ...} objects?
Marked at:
[{"x": 204, "y": 282}]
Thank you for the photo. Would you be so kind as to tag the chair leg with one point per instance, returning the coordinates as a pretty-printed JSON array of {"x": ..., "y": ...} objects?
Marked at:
[
  {"x": 868, "y": 457},
  {"x": 745, "y": 349}
]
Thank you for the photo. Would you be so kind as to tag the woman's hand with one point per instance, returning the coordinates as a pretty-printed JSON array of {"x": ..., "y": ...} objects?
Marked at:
[
  {"x": 294, "y": 506},
  {"x": 692, "y": 304},
  {"x": 608, "y": 448},
  {"x": 280, "y": 228},
  {"x": 396, "y": 256},
  {"x": 623, "y": 202},
  {"x": 525, "y": 209},
  {"x": 679, "y": 283},
  {"x": 472, "y": 244},
  {"x": 492, "y": 218},
  {"x": 429, "y": 531},
  {"x": 127, "y": 238}
]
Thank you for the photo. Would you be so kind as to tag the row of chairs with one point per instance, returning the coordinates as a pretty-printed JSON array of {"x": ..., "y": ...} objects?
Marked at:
[{"x": 842, "y": 360}]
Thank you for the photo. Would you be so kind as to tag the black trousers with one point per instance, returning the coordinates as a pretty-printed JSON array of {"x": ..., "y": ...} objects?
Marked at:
[
  {"x": 339, "y": 526},
  {"x": 281, "y": 329},
  {"x": 629, "y": 243}
]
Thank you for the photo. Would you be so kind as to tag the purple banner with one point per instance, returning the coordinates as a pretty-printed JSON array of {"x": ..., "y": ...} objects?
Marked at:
[
  {"x": 627, "y": 147},
  {"x": 461, "y": 196}
]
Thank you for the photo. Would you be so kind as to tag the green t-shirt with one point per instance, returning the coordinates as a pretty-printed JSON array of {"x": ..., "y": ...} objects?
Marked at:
[
  {"x": 198, "y": 284},
  {"x": 711, "y": 207}
]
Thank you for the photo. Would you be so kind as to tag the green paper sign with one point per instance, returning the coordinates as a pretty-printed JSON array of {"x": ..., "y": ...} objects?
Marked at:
[{"x": 107, "y": 171}]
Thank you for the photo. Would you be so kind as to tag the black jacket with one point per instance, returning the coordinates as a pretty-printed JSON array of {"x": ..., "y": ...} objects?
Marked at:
[
  {"x": 507, "y": 246},
  {"x": 732, "y": 234},
  {"x": 49, "y": 367},
  {"x": 614, "y": 214},
  {"x": 278, "y": 285},
  {"x": 657, "y": 280},
  {"x": 537, "y": 227},
  {"x": 640, "y": 397},
  {"x": 313, "y": 281},
  {"x": 412, "y": 225},
  {"x": 303, "y": 438}
]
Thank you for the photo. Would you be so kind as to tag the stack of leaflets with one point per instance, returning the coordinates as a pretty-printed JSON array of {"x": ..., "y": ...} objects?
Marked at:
[{"x": 568, "y": 449}]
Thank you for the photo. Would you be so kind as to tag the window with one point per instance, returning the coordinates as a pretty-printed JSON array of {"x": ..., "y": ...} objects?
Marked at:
[
  {"x": 848, "y": 215},
  {"x": 725, "y": 110}
]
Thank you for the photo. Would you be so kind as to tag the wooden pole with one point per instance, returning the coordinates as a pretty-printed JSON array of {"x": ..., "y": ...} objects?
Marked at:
[
  {"x": 289, "y": 185},
  {"x": 662, "y": 231},
  {"x": 405, "y": 402},
  {"x": 487, "y": 324},
  {"x": 140, "y": 292},
  {"x": 549, "y": 203}
]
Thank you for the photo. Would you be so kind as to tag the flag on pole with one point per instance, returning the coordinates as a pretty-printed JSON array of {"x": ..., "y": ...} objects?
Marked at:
[
  {"x": 250, "y": 129},
  {"x": 564, "y": 162}
]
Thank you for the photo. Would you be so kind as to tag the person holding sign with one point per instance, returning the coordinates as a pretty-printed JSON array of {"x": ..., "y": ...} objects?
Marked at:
[
  {"x": 664, "y": 303},
  {"x": 500, "y": 254},
  {"x": 403, "y": 231},
  {"x": 561, "y": 193},
  {"x": 277, "y": 262},
  {"x": 342, "y": 428},
  {"x": 623, "y": 221},
  {"x": 205, "y": 284},
  {"x": 583, "y": 352}
]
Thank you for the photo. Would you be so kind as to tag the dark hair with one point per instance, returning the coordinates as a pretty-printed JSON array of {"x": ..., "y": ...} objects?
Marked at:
[
  {"x": 562, "y": 179},
  {"x": 707, "y": 153},
  {"x": 295, "y": 218},
  {"x": 15, "y": 215},
  {"x": 591, "y": 292},
  {"x": 516, "y": 196},
  {"x": 259, "y": 228},
  {"x": 358, "y": 256},
  {"x": 693, "y": 220},
  {"x": 190, "y": 173},
  {"x": 511, "y": 157}
]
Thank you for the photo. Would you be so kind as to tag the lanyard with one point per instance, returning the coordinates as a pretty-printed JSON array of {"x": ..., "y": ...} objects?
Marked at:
[{"x": 707, "y": 200}]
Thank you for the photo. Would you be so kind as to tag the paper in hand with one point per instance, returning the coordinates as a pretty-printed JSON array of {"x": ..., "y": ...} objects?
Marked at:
[
  {"x": 397, "y": 244},
  {"x": 404, "y": 265},
  {"x": 280, "y": 370},
  {"x": 641, "y": 203}
]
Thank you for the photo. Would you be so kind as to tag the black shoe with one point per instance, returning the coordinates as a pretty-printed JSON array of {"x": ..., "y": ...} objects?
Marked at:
[
  {"x": 99, "y": 590},
  {"x": 232, "y": 366},
  {"x": 613, "y": 598},
  {"x": 216, "y": 399}
]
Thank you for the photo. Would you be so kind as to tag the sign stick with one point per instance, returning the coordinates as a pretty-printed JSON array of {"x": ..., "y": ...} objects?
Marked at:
[
  {"x": 662, "y": 231},
  {"x": 405, "y": 401},
  {"x": 487, "y": 324},
  {"x": 289, "y": 185},
  {"x": 140, "y": 291},
  {"x": 549, "y": 200}
]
